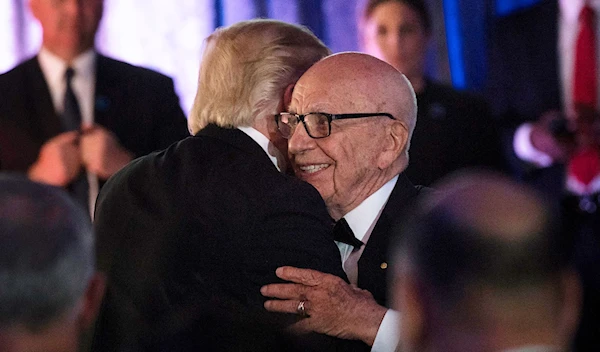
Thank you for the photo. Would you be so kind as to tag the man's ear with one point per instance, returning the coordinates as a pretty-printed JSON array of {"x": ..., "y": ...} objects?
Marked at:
[
  {"x": 92, "y": 300},
  {"x": 287, "y": 96},
  {"x": 394, "y": 144}
]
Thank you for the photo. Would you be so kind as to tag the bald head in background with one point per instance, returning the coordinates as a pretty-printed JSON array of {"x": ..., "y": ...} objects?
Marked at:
[
  {"x": 346, "y": 167},
  {"x": 484, "y": 267}
]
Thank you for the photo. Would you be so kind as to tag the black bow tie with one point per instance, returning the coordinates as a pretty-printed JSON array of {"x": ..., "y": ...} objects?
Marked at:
[{"x": 343, "y": 233}]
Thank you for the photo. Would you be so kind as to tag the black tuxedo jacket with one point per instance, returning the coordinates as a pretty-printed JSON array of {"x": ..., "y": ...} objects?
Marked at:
[
  {"x": 375, "y": 260},
  {"x": 193, "y": 232},
  {"x": 138, "y": 105},
  {"x": 454, "y": 130}
]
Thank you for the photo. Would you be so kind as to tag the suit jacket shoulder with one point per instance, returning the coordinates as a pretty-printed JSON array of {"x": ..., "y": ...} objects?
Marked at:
[
  {"x": 207, "y": 220},
  {"x": 139, "y": 105},
  {"x": 27, "y": 115}
]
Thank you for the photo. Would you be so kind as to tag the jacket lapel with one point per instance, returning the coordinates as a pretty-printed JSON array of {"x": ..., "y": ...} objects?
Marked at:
[
  {"x": 374, "y": 261},
  {"x": 106, "y": 93},
  {"x": 43, "y": 113}
]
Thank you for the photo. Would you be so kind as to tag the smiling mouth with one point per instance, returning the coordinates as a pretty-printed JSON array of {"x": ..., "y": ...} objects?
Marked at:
[{"x": 310, "y": 169}]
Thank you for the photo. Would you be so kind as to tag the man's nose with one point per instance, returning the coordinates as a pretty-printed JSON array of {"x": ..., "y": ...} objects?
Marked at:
[{"x": 299, "y": 141}]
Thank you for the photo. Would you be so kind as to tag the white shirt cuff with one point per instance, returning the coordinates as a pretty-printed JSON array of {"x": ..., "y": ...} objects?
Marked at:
[
  {"x": 388, "y": 334},
  {"x": 525, "y": 150}
]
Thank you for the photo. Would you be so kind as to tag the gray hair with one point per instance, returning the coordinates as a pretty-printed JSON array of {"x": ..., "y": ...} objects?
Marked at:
[{"x": 46, "y": 256}]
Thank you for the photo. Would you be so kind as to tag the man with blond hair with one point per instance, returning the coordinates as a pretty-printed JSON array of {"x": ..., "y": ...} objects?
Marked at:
[{"x": 187, "y": 236}]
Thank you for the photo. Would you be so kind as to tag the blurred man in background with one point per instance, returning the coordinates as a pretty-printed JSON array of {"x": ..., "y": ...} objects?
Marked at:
[
  {"x": 71, "y": 117},
  {"x": 483, "y": 266},
  {"x": 543, "y": 86},
  {"x": 49, "y": 289}
]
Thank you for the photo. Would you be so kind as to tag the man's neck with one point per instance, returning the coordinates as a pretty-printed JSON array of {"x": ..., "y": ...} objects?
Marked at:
[
  {"x": 68, "y": 56},
  {"x": 368, "y": 188},
  {"x": 276, "y": 156}
]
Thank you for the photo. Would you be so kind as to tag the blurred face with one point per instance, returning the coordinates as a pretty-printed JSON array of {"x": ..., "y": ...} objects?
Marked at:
[
  {"x": 343, "y": 167},
  {"x": 394, "y": 33},
  {"x": 69, "y": 26}
]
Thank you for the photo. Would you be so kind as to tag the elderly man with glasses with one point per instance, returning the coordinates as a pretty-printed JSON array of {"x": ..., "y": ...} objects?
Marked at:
[{"x": 358, "y": 114}]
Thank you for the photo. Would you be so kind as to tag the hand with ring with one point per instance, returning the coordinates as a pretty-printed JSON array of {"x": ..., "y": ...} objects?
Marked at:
[
  {"x": 302, "y": 309},
  {"x": 326, "y": 303}
]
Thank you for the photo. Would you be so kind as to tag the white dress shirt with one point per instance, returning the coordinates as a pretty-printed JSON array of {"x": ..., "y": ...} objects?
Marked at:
[
  {"x": 362, "y": 220},
  {"x": 568, "y": 30},
  {"x": 83, "y": 85},
  {"x": 273, "y": 153}
]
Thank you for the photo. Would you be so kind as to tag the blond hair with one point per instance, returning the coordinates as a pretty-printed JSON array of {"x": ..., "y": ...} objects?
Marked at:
[{"x": 246, "y": 68}]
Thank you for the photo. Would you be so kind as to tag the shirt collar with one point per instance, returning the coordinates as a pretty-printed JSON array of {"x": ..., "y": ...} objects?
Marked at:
[
  {"x": 273, "y": 153},
  {"x": 54, "y": 67},
  {"x": 570, "y": 9},
  {"x": 361, "y": 218}
]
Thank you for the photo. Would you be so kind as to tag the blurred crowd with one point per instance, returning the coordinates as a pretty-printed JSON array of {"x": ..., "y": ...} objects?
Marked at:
[{"x": 310, "y": 201}]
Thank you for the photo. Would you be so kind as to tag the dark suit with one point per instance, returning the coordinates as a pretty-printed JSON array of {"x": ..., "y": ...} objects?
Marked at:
[
  {"x": 373, "y": 264},
  {"x": 454, "y": 130},
  {"x": 138, "y": 105},
  {"x": 523, "y": 83},
  {"x": 198, "y": 228}
]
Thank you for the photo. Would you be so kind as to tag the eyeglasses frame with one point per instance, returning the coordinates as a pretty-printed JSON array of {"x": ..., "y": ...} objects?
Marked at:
[{"x": 330, "y": 118}]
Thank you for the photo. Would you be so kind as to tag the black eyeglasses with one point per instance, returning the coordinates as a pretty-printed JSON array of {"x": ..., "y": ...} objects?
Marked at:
[{"x": 317, "y": 124}]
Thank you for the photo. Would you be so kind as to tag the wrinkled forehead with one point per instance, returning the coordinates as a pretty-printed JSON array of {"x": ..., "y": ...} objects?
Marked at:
[{"x": 333, "y": 93}]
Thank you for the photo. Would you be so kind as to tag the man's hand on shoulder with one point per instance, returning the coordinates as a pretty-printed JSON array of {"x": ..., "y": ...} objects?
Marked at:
[{"x": 333, "y": 307}]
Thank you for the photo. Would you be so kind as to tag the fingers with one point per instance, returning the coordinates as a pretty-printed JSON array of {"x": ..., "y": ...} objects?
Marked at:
[
  {"x": 306, "y": 277},
  {"x": 65, "y": 138},
  {"x": 283, "y": 291},
  {"x": 58, "y": 162},
  {"x": 101, "y": 152},
  {"x": 288, "y": 306}
]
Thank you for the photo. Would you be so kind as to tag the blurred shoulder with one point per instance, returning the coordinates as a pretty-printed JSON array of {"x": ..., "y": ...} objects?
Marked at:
[{"x": 130, "y": 71}]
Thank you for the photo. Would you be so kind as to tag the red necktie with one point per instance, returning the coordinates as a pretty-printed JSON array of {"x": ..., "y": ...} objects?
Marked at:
[
  {"x": 585, "y": 79},
  {"x": 584, "y": 166}
]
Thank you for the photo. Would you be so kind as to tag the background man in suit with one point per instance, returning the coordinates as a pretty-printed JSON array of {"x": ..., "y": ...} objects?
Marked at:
[
  {"x": 202, "y": 225},
  {"x": 97, "y": 118},
  {"x": 50, "y": 290},
  {"x": 531, "y": 82},
  {"x": 455, "y": 128},
  {"x": 483, "y": 266},
  {"x": 355, "y": 159}
]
